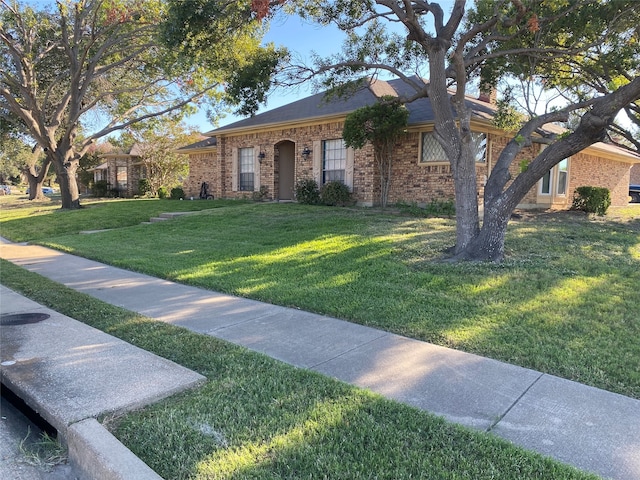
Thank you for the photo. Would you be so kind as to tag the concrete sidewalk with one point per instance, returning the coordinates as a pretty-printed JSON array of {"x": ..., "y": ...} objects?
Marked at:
[{"x": 592, "y": 429}]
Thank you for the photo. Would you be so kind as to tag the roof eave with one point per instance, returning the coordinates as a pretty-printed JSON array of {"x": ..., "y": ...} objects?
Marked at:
[
  {"x": 279, "y": 125},
  {"x": 189, "y": 151}
]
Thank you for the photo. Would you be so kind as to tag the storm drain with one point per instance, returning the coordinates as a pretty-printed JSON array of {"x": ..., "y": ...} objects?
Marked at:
[{"x": 22, "y": 318}]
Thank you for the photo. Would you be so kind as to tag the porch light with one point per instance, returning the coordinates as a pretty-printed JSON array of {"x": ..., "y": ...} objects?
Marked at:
[
  {"x": 306, "y": 151},
  {"x": 261, "y": 156}
]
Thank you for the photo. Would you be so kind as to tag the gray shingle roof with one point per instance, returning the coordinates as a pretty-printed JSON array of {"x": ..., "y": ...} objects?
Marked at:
[
  {"x": 320, "y": 105},
  {"x": 207, "y": 142}
]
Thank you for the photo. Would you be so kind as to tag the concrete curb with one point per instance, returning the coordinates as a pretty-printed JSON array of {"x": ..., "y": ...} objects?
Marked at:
[
  {"x": 70, "y": 374},
  {"x": 97, "y": 454}
]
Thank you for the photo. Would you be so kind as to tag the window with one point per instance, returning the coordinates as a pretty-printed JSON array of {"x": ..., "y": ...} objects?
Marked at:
[
  {"x": 433, "y": 152},
  {"x": 431, "y": 149},
  {"x": 558, "y": 174},
  {"x": 121, "y": 178},
  {"x": 245, "y": 169},
  {"x": 545, "y": 184},
  {"x": 562, "y": 177},
  {"x": 480, "y": 144},
  {"x": 334, "y": 161}
]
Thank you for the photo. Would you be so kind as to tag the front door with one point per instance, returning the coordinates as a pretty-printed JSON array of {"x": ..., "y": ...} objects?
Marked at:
[{"x": 286, "y": 169}]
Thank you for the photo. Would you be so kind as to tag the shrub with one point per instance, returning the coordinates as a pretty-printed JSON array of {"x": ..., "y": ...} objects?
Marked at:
[
  {"x": 144, "y": 187},
  {"x": 100, "y": 188},
  {"x": 177, "y": 193},
  {"x": 307, "y": 192},
  {"x": 436, "y": 208},
  {"x": 335, "y": 193},
  {"x": 592, "y": 200},
  {"x": 260, "y": 195},
  {"x": 163, "y": 192}
]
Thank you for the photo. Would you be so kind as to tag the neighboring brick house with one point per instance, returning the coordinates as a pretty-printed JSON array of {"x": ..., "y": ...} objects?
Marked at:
[
  {"x": 303, "y": 139},
  {"x": 202, "y": 157},
  {"x": 122, "y": 172}
]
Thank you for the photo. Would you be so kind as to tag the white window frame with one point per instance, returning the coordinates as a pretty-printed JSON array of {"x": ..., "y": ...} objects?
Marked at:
[
  {"x": 479, "y": 138},
  {"x": 246, "y": 166},
  {"x": 334, "y": 154},
  {"x": 558, "y": 173}
]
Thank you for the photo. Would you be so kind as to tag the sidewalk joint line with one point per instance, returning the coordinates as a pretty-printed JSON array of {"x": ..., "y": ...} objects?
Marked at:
[
  {"x": 383, "y": 334},
  {"x": 515, "y": 402}
]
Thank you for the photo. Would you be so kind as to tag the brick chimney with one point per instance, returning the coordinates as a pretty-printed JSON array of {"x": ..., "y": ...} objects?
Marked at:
[{"x": 488, "y": 94}]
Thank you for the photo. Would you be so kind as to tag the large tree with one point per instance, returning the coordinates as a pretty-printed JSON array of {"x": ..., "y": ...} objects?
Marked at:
[
  {"x": 594, "y": 41},
  {"x": 103, "y": 65}
]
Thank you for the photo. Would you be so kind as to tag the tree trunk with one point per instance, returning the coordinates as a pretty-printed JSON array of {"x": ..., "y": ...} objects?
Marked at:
[
  {"x": 457, "y": 144},
  {"x": 488, "y": 244},
  {"x": 36, "y": 179},
  {"x": 466, "y": 198},
  {"x": 66, "y": 167}
]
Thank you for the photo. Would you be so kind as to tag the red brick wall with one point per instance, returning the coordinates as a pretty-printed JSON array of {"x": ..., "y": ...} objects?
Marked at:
[
  {"x": 412, "y": 181},
  {"x": 598, "y": 172},
  {"x": 201, "y": 169},
  {"x": 302, "y": 137}
]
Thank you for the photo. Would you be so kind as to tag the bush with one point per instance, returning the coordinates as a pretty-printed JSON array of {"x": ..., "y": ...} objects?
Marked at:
[
  {"x": 144, "y": 187},
  {"x": 260, "y": 195},
  {"x": 307, "y": 192},
  {"x": 592, "y": 200},
  {"x": 100, "y": 188},
  {"x": 336, "y": 193},
  {"x": 177, "y": 193},
  {"x": 163, "y": 192}
]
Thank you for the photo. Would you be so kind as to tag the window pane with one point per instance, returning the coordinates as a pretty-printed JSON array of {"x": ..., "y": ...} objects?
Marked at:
[
  {"x": 431, "y": 149},
  {"x": 480, "y": 143},
  {"x": 245, "y": 169},
  {"x": 545, "y": 185},
  {"x": 334, "y": 160},
  {"x": 121, "y": 178},
  {"x": 562, "y": 177}
]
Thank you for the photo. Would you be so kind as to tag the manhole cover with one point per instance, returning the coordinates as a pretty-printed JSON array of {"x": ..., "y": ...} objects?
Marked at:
[{"x": 22, "y": 318}]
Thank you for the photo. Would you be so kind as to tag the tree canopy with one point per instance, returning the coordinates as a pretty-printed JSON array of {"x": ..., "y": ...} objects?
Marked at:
[{"x": 85, "y": 69}]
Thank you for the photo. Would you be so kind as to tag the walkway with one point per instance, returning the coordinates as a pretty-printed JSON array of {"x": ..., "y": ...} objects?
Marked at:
[{"x": 593, "y": 429}]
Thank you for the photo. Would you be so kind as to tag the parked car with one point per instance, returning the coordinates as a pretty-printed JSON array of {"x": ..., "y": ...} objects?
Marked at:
[
  {"x": 45, "y": 190},
  {"x": 634, "y": 193},
  {"x": 5, "y": 190}
]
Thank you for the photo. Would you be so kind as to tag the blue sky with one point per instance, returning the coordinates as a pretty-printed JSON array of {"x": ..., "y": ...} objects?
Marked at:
[{"x": 301, "y": 39}]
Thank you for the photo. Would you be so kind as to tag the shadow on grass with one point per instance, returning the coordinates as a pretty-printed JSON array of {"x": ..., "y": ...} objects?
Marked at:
[
  {"x": 563, "y": 302},
  {"x": 258, "y": 418}
]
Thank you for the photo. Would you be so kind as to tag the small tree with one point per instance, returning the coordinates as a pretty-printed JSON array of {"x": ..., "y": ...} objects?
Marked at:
[
  {"x": 156, "y": 143},
  {"x": 379, "y": 124}
]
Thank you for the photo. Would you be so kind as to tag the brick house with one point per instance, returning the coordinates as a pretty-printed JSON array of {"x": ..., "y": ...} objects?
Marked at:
[
  {"x": 122, "y": 172},
  {"x": 303, "y": 139}
]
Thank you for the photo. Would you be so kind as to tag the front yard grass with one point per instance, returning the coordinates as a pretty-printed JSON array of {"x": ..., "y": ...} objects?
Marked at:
[
  {"x": 257, "y": 418},
  {"x": 564, "y": 301}
]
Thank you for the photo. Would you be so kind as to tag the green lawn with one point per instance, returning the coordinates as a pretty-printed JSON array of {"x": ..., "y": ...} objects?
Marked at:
[
  {"x": 257, "y": 418},
  {"x": 565, "y": 300}
]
